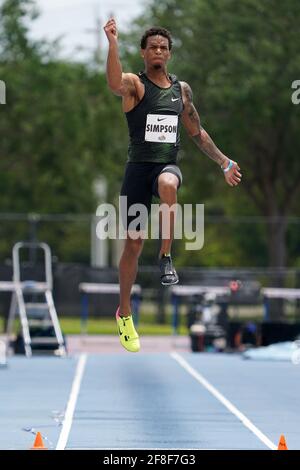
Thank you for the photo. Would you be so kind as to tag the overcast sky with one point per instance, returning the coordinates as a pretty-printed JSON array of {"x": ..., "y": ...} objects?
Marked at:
[{"x": 76, "y": 21}]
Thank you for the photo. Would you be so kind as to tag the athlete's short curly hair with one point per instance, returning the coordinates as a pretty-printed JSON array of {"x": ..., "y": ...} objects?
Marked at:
[{"x": 154, "y": 31}]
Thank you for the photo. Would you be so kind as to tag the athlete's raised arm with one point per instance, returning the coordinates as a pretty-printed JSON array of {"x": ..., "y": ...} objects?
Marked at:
[
  {"x": 191, "y": 121},
  {"x": 120, "y": 83}
]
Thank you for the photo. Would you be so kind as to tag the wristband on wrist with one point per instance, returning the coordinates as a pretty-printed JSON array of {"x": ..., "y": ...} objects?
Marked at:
[{"x": 229, "y": 166}]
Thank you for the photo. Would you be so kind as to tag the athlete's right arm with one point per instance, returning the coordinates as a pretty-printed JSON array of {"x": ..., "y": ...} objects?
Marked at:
[{"x": 121, "y": 84}]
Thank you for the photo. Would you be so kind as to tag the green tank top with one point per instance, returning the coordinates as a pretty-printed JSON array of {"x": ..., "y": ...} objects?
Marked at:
[{"x": 154, "y": 123}]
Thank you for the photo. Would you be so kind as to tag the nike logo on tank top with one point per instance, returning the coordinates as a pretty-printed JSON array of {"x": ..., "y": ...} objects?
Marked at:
[{"x": 154, "y": 123}]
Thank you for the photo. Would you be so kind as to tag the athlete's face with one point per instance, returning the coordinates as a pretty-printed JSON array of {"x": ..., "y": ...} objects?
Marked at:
[{"x": 156, "y": 54}]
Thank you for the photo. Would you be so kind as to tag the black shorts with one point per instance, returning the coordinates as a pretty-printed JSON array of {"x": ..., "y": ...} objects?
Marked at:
[{"x": 140, "y": 184}]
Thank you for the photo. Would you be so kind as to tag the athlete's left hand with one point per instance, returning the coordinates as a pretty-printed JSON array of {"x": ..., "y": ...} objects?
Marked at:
[{"x": 233, "y": 176}]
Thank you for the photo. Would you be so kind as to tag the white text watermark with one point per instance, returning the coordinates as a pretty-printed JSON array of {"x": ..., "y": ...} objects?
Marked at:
[
  {"x": 185, "y": 221},
  {"x": 2, "y": 92},
  {"x": 296, "y": 95}
]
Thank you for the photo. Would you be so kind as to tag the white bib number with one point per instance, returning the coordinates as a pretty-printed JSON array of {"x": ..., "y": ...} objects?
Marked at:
[{"x": 161, "y": 128}]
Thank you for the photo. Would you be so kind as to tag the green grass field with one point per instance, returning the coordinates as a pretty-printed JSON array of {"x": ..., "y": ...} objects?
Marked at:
[{"x": 107, "y": 326}]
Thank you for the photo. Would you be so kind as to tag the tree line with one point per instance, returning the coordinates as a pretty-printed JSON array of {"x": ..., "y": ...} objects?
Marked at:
[{"x": 61, "y": 127}]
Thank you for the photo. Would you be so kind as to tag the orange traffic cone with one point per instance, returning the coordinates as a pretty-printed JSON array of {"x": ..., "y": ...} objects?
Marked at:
[
  {"x": 282, "y": 444},
  {"x": 38, "y": 443}
]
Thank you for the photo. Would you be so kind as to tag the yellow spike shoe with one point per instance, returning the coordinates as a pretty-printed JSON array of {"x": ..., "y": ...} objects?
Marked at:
[{"x": 127, "y": 333}]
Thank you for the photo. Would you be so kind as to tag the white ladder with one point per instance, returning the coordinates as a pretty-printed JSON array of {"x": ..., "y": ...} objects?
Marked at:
[{"x": 35, "y": 315}]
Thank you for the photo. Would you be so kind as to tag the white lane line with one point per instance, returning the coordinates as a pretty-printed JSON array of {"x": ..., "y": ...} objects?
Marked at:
[
  {"x": 67, "y": 423},
  {"x": 224, "y": 401}
]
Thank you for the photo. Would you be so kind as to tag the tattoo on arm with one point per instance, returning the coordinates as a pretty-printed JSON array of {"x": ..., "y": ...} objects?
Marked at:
[
  {"x": 206, "y": 144},
  {"x": 201, "y": 139},
  {"x": 190, "y": 108},
  {"x": 129, "y": 85}
]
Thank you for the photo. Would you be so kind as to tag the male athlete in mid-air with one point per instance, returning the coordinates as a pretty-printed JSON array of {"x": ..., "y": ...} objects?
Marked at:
[{"x": 155, "y": 103}]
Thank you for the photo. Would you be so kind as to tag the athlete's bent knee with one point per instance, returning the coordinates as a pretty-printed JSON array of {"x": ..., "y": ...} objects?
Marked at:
[{"x": 168, "y": 185}]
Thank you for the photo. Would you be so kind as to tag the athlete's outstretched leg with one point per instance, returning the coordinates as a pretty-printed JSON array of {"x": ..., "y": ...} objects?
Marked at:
[{"x": 127, "y": 271}]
